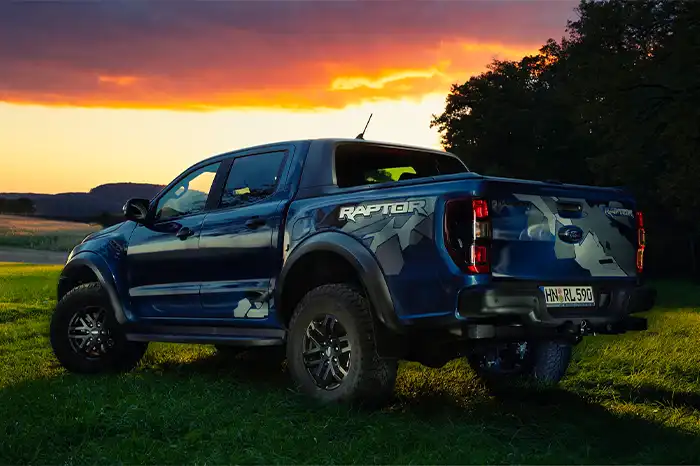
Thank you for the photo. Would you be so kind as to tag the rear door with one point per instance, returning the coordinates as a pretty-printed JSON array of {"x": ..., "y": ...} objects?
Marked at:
[
  {"x": 240, "y": 238},
  {"x": 561, "y": 234}
]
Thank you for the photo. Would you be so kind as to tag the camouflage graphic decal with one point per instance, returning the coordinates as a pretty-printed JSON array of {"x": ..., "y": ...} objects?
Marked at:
[
  {"x": 601, "y": 248},
  {"x": 251, "y": 309},
  {"x": 389, "y": 228}
]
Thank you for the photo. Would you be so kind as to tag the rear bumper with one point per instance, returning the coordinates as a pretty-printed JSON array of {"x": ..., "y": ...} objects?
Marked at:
[{"x": 524, "y": 304}]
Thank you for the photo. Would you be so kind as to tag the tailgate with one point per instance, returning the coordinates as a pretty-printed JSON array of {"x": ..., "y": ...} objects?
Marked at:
[{"x": 561, "y": 233}]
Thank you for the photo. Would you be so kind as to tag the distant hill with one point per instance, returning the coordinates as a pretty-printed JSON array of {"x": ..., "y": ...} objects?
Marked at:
[{"x": 79, "y": 206}]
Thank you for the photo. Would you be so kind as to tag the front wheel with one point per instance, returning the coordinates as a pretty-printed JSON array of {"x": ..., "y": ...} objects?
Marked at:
[
  {"x": 86, "y": 338},
  {"x": 540, "y": 363},
  {"x": 331, "y": 352}
]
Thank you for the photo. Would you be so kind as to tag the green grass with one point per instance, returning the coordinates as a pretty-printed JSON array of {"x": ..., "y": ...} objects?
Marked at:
[{"x": 628, "y": 399}]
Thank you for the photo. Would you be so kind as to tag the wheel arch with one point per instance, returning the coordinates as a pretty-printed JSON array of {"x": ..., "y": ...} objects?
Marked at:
[
  {"x": 89, "y": 267},
  {"x": 356, "y": 257}
]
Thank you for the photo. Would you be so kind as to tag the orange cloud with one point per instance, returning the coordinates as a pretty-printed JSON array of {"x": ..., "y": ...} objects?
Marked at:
[
  {"x": 290, "y": 55},
  {"x": 118, "y": 80}
]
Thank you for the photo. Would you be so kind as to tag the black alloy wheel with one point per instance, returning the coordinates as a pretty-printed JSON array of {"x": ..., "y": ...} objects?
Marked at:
[
  {"x": 327, "y": 352},
  {"x": 88, "y": 333}
]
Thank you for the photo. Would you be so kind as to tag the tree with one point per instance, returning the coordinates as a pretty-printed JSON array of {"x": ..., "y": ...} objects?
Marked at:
[
  {"x": 613, "y": 103},
  {"x": 21, "y": 206},
  {"x": 24, "y": 206}
]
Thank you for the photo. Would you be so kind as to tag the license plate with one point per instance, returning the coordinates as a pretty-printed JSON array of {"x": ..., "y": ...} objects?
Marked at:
[{"x": 568, "y": 296}]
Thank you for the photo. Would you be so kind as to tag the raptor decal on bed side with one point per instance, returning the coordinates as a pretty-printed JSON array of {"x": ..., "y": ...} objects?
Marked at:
[
  {"x": 389, "y": 208},
  {"x": 388, "y": 228}
]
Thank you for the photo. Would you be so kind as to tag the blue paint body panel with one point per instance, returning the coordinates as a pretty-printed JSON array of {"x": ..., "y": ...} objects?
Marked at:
[{"x": 228, "y": 273}]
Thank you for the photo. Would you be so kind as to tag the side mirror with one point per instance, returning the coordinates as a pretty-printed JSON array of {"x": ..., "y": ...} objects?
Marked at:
[{"x": 136, "y": 210}]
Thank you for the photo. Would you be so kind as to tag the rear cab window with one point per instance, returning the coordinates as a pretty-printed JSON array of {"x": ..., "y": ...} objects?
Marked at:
[{"x": 366, "y": 164}]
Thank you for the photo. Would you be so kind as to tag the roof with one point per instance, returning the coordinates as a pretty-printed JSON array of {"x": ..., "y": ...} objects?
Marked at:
[{"x": 317, "y": 142}]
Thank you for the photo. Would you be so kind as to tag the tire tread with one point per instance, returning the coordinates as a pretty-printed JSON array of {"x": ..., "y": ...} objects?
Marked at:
[
  {"x": 375, "y": 381},
  {"x": 122, "y": 358}
]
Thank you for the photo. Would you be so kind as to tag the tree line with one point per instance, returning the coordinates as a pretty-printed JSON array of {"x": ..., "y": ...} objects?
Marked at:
[
  {"x": 616, "y": 102},
  {"x": 20, "y": 206},
  {"x": 25, "y": 206}
]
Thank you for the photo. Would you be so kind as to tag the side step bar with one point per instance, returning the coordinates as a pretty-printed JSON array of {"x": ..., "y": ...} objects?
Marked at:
[{"x": 209, "y": 335}]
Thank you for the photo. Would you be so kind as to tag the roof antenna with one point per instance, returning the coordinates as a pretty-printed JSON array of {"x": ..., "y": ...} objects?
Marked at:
[{"x": 362, "y": 134}]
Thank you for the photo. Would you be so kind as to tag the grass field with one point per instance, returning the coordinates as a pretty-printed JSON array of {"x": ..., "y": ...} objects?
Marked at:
[
  {"x": 36, "y": 233},
  {"x": 629, "y": 399}
]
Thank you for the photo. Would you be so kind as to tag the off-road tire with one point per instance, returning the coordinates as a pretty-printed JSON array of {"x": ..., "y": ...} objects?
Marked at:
[
  {"x": 544, "y": 366},
  {"x": 551, "y": 360},
  {"x": 370, "y": 379},
  {"x": 123, "y": 356}
]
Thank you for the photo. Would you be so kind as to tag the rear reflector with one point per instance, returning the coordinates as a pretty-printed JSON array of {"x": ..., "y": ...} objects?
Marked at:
[{"x": 479, "y": 259}]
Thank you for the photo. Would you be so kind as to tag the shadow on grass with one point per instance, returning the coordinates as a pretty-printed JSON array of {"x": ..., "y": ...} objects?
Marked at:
[
  {"x": 648, "y": 394},
  {"x": 151, "y": 414},
  {"x": 264, "y": 367}
]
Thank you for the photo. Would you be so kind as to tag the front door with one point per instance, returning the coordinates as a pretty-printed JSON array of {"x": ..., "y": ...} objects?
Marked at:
[
  {"x": 163, "y": 264},
  {"x": 239, "y": 240}
]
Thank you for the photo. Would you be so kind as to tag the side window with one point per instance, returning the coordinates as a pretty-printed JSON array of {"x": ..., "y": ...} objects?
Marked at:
[
  {"x": 189, "y": 196},
  {"x": 252, "y": 178}
]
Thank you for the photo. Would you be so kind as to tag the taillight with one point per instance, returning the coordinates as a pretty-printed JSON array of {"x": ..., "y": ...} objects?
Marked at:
[
  {"x": 641, "y": 241},
  {"x": 468, "y": 234},
  {"x": 480, "y": 208}
]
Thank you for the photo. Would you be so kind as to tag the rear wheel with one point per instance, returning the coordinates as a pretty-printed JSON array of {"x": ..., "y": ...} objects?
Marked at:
[
  {"x": 331, "y": 351},
  {"x": 86, "y": 338},
  {"x": 538, "y": 363}
]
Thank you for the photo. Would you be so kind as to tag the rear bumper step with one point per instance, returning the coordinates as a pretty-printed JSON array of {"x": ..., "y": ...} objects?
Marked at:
[
  {"x": 511, "y": 332},
  {"x": 525, "y": 304}
]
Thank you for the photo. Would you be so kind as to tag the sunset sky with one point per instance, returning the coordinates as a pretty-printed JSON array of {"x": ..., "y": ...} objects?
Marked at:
[{"x": 99, "y": 92}]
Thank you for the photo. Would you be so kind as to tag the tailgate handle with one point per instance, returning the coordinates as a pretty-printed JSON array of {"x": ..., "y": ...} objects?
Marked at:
[{"x": 569, "y": 209}]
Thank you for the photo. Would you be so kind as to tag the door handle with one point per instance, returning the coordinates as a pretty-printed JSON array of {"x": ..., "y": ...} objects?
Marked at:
[
  {"x": 184, "y": 233},
  {"x": 255, "y": 222}
]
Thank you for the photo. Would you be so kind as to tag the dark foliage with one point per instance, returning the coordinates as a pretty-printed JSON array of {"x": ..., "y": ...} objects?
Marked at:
[{"x": 20, "y": 206}]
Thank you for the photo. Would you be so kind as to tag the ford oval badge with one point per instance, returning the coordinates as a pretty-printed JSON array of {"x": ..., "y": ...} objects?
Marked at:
[{"x": 570, "y": 234}]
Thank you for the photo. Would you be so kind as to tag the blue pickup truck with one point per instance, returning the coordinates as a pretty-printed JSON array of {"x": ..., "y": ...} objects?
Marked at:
[{"x": 352, "y": 255}]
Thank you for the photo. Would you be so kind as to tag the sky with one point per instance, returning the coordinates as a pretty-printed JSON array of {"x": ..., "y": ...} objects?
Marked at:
[{"x": 114, "y": 91}]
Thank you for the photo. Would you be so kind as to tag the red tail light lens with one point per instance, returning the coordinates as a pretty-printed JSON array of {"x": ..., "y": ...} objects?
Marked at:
[
  {"x": 479, "y": 259},
  {"x": 480, "y": 208},
  {"x": 641, "y": 241}
]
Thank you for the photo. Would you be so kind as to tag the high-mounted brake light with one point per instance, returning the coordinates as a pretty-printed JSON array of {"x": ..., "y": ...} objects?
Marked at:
[
  {"x": 641, "y": 241},
  {"x": 468, "y": 247}
]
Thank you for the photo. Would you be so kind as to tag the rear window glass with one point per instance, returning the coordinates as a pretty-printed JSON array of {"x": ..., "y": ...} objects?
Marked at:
[{"x": 364, "y": 164}]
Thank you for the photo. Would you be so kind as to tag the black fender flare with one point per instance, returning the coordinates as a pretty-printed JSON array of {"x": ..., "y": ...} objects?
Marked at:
[
  {"x": 361, "y": 259},
  {"x": 104, "y": 275}
]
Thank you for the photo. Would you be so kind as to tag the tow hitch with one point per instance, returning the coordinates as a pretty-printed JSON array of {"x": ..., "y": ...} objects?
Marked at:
[{"x": 585, "y": 328}]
